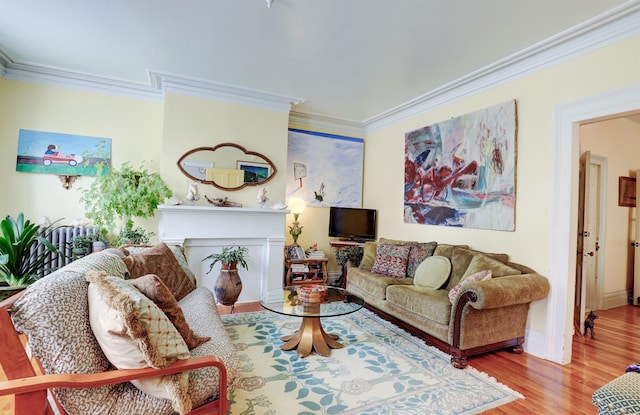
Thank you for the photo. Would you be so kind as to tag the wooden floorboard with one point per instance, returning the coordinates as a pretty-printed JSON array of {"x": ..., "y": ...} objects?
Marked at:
[{"x": 550, "y": 388}]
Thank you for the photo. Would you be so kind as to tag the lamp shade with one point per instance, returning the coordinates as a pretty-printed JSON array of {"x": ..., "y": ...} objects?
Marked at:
[{"x": 296, "y": 205}]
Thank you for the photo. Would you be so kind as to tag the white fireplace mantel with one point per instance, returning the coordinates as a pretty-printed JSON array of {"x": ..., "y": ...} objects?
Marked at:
[{"x": 204, "y": 230}]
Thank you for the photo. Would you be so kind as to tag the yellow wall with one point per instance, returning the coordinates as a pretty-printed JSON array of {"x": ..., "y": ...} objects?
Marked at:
[
  {"x": 617, "y": 140},
  {"x": 191, "y": 122},
  {"x": 134, "y": 126},
  {"x": 537, "y": 95}
]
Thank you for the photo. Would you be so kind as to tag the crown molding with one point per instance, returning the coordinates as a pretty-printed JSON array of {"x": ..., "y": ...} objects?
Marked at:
[
  {"x": 78, "y": 80},
  {"x": 617, "y": 24},
  {"x": 4, "y": 60},
  {"x": 326, "y": 123},
  {"x": 222, "y": 92},
  {"x": 159, "y": 83}
]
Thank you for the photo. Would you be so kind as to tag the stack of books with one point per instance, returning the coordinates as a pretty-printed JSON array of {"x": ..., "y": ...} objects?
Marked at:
[
  {"x": 296, "y": 268},
  {"x": 311, "y": 254}
]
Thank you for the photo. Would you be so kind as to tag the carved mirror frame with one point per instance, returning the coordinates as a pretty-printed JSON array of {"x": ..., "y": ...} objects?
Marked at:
[{"x": 213, "y": 149}]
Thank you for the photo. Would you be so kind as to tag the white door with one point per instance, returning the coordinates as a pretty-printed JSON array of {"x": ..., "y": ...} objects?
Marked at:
[
  {"x": 583, "y": 239},
  {"x": 592, "y": 260},
  {"x": 636, "y": 262}
]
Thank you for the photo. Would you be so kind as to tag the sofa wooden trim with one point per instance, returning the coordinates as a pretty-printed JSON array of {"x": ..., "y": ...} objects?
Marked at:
[
  {"x": 30, "y": 388},
  {"x": 458, "y": 356}
]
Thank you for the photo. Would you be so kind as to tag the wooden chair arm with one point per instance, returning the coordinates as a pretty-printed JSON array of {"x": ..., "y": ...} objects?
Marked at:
[
  {"x": 82, "y": 380},
  {"x": 90, "y": 380},
  {"x": 8, "y": 302}
]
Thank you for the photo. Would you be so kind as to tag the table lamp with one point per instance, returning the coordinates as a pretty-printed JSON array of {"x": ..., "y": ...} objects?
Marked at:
[{"x": 297, "y": 207}]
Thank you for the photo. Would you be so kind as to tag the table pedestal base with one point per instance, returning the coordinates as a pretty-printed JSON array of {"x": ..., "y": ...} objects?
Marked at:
[{"x": 311, "y": 336}]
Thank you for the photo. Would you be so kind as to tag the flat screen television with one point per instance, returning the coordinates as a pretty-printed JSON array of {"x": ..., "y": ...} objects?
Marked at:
[{"x": 355, "y": 224}]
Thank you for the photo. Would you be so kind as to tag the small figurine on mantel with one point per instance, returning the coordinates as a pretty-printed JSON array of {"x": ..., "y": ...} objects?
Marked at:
[
  {"x": 262, "y": 198},
  {"x": 193, "y": 195}
]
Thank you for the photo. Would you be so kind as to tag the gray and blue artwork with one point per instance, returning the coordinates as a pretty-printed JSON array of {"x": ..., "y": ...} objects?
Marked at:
[{"x": 325, "y": 169}]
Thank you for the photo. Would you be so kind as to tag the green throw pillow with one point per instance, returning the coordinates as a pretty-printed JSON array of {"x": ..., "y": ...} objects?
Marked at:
[{"x": 433, "y": 272}]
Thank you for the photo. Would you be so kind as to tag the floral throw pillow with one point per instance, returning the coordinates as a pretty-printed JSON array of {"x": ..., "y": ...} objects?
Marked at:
[
  {"x": 418, "y": 253},
  {"x": 391, "y": 260},
  {"x": 478, "y": 276}
]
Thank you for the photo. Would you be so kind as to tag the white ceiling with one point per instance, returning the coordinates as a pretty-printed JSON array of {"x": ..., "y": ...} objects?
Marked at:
[{"x": 347, "y": 59}]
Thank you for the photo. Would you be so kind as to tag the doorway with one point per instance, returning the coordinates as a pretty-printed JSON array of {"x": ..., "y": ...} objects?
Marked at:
[{"x": 566, "y": 150}]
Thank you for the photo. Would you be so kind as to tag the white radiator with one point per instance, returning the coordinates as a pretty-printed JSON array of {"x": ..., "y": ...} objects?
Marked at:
[{"x": 61, "y": 238}]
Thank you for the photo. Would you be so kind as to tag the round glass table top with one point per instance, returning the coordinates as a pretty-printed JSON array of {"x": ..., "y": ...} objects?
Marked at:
[{"x": 285, "y": 301}]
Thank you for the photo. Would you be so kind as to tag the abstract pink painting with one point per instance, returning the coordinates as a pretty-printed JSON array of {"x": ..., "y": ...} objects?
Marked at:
[{"x": 461, "y": 172}]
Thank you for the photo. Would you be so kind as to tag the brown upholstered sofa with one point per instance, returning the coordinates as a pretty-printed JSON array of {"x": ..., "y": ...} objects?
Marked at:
[
  {"x": 57, "y": 314},
  {"x": 461, "y": 320}
]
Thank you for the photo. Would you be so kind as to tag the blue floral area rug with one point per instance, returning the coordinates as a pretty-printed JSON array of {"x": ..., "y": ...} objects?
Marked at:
[{"x": 381, "y": 370}]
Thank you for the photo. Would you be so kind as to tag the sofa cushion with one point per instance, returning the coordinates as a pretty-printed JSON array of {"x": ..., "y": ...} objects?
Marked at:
[
  {"x": 134, "y": 333},
  {"x": 154, "y": 289},
  {"x": 428, "y": 303},
  {"x": 159, "y": 260},
  {"x": 374, "y": 284},
  {"x": 369, "y": 255},
  {"x": 481, "y": 262},
  {"x": 461, "y": 258},
  {"x": 478, "y": 276},
  {"x": 447, "y": 250},
  {"x": 417, "y": 254},
  {"x": 201, "y": 313},
  {"x": 391, "y": 260},
  {"x": 433, "y": 272}
]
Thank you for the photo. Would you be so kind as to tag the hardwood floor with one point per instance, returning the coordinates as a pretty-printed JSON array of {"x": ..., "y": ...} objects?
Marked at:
[{"x": 550, "y": 388}]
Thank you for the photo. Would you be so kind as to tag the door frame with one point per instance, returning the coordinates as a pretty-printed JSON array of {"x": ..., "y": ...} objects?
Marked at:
[{"x": 564, "y": 208}]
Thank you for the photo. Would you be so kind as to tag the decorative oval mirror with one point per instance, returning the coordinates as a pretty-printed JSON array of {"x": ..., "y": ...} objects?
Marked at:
[{"x": 227, "y": 166}]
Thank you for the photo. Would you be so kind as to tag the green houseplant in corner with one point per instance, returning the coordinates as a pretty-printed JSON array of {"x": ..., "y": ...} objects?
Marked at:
[
  {"x": 228, "y": 286},
  {"x": 20, "y": 263},
  {"x": 124, "y": 194}
]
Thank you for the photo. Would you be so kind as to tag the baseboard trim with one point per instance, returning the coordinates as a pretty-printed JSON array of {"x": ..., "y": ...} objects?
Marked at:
[
  {"x": 615, "y": 299},
  {"x": 535, "y": 343}
]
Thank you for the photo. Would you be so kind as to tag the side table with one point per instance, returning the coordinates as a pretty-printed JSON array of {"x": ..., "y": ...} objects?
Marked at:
[{"x": 315, "y": 271}]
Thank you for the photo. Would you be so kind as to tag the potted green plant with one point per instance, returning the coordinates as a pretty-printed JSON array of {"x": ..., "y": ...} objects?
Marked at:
[
  {"x": 80, "y": 245},
  {"x": 230, "y": 256},
  {"x": 124, "y": 194},
  {"x": 138, "y": 235},
  {"x": 20, "y": 263},
  {"x": 346, "y": 254},
  {"x": 228, "y": 286},
  {"x": 100, "y": 240}
]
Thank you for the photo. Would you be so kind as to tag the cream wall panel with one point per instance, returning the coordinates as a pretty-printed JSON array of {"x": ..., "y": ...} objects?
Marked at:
[
  {"x": 134, "y": 126},
  {"x": 537, "y": 95}
]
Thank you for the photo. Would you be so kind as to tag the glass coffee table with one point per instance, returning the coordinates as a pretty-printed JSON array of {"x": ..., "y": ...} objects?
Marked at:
[{"x": 311, "y": 336}]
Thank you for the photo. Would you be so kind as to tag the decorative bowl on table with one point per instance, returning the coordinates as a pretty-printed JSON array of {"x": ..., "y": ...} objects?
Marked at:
[{"x": 312, "y": 293}]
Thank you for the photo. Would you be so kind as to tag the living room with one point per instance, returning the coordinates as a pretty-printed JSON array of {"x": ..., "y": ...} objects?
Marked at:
[{"x": 582, "y": 79}]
